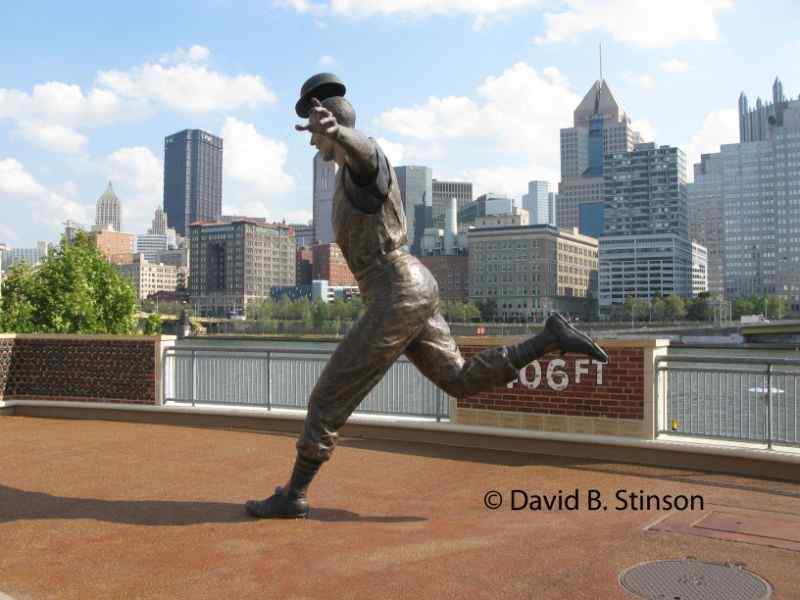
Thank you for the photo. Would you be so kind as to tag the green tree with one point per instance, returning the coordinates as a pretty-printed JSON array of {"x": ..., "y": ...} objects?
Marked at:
[
  {"x": 636, "y": 308},
  {"x": 471, "y": 312},
  {"x": 676, "y": 307},
  {"x": 458, "y": 311},
  {"x": 152, "y": 325},
  {"x": 18, "y": 304},
  {"x": 700, "y": 308},
  {"x": 658, "y": 308},
  {"x": 776, "y": 307},
  {"x": 488, "y": 310},
  {"x": 746, "y": 306},
  {"x": 319, "y": 315},
  {"x": 74, "y": 290}
]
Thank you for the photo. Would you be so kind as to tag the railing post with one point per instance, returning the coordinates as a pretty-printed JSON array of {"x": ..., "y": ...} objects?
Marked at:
[
  {"x": 269, "y": 381},
  {"x": 661, "y": 402},
  {"x": 769, "y": 406},
  {"x": 439, "y": 395},
  {"x": 194, "y": 377}
]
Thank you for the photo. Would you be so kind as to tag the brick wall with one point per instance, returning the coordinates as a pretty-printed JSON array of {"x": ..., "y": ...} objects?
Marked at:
[
  {"x": 615, "y": 390},
  {"x": 572, "y": 393},
  {"x": 117, "y": 369}
]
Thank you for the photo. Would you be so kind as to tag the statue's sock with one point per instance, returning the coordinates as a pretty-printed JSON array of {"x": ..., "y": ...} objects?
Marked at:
[
  {"x": 522, "y": 354},
  {"x": 302, "y": 475}
]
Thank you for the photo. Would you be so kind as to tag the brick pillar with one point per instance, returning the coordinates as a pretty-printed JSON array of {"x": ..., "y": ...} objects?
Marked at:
[{"x": 573, "y": 394}]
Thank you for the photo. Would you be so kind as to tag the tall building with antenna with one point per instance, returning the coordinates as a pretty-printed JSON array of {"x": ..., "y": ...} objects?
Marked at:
[{"x": 600, "y": 127}]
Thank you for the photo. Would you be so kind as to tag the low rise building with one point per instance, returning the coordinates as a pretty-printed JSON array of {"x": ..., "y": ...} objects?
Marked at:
[
  {"x": 234, "y": 263},
  {"x": 451, "y": 274},
  {"x": 533, "y": 271},
  {"x": 328, "y": 263},
  {"x": 648, "y": 266},
  {"x": 111, "y": 242},
  {"x": 148, "y": 278}
]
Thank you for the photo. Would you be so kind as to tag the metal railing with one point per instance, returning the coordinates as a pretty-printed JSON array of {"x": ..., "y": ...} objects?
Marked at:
[
  {"x": 743, "y": 399},
  {"x": 283, "y": 378}
]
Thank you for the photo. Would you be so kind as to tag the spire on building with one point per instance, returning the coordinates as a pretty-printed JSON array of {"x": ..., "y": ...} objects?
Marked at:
[
  {"x": 109, "y": 210},
  {"x": 777, "y": 92},
  {"x": 598, "y": 100}
]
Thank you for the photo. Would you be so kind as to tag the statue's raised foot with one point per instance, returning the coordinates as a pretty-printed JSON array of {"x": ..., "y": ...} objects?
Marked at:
[{"x": 558, "y": 336}]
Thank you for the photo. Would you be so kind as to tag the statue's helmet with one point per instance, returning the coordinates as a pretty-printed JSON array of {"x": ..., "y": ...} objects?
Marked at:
[{"x": 320, "y": 86}]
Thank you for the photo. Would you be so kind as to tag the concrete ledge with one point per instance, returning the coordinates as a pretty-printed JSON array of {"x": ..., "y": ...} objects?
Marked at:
[{"x": 740, "y": 459}]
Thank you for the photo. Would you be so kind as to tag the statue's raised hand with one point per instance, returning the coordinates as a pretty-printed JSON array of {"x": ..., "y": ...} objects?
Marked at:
[{"x": 320, "y": 121}]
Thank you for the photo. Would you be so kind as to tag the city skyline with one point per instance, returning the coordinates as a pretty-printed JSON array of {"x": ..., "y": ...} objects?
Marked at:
[{"x": 72, "y": 117}]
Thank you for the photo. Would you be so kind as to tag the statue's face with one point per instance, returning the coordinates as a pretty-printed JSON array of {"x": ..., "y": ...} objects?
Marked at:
[{"x": 324, "y": 145}]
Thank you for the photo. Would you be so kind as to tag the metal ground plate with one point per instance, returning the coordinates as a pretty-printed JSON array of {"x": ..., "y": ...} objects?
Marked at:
[{"x": 690, "y": 579}]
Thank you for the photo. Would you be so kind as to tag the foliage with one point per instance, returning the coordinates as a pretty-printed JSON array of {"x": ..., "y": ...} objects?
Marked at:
[
  {"x": 488, "y": 310},
  {"x": 676, "y": 307},
  {"x": 636, "y": 308},
  {"x": 152, "y": 325},
  {"x": 74, "y": 290}
]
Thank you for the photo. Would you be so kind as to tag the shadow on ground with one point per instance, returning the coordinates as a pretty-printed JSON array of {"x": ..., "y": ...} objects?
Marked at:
[{"x": 17, "y": 505}]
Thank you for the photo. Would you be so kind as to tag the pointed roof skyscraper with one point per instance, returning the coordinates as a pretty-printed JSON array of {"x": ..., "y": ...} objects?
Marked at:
[
  {"x": 109, "y": 210},
  {"x": 598, "y": 100}
]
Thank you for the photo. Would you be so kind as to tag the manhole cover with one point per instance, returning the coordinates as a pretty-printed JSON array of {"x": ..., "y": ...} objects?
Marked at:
[{"x": 690, "y": 579}]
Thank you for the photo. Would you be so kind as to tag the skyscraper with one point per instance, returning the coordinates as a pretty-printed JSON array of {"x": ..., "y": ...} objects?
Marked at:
[
  {"x": 706, "y": 217},
  {"x": 600, "y": 127},
  {"x": 192, "y": 178},
  {"x": 443, "y": 193},
  {"x": 645, "y": 191},
  {"x": 537, "y": 203},
  {"x": 416, "y": 188},
  {"x": 646, "y": 251},
  {"x": 322, "y": 204},
  {"x": 109, "y": 211},
  {"x": 159, "y": 226},
  {"x": 746, "y": 200},
  {"x": 754, "y": 123}
]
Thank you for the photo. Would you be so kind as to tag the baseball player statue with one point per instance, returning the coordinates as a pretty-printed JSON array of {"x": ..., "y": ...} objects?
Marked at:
[{"x": 400, "y": 296}]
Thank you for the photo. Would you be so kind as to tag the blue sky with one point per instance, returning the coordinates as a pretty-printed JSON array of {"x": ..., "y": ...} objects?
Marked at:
[{"x": 475, "y": 89}]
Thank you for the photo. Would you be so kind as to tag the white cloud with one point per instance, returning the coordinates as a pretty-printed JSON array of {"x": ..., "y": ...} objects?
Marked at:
[
  {"x": 48, "y": 207},
  {"x": 674, "y": 65},
  {"x": 481, "y": 10},
  {"x": 194, "y": 54},
  {"x": 327, "y": 61},
  {"x": 645, "y": 128},
  {"x": 638, "y": 22},
  {"x": 519, "y": 111},
  {"x": 303, "y": 6},
  {"x": 50, "y": 136},
  {"x": 394, "y": 152},
  {"x": 646, "y": 81},
  {"x": 55, "y": 114},
  {"x": 63, "y": 104},
  {"x": 719, "y": 127},
  {"x": 187, "y": 88},
  {"x": 254, "y": 176},
  {"x": 508, "y": 180},
  {"x": 7, "y": 234}
]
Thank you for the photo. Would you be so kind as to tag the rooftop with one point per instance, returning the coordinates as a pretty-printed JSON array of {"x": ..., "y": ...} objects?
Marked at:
[{"x": 105, "y": 509}]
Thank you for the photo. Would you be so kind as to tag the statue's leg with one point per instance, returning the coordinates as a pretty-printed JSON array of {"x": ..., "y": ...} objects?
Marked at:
[
  {"x": 436, "y": 355},
  {"x": 358, "y": 364}
]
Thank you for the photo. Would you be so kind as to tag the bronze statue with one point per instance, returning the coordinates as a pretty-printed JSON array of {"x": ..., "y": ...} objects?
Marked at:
[{"x": 401, "y": 300}]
